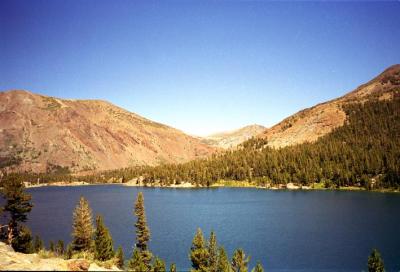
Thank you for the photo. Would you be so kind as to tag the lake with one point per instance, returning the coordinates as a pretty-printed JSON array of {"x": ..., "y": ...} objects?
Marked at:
[{"x": 284, "y": 230}]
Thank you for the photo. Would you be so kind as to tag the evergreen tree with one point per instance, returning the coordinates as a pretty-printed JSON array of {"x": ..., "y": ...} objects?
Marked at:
[
  {"x": 142, "y": 232},
  {"x": 52, "y": 247},
  {"x": 69, "y": 252},
  {"x": 17, "y": 204},
  {"x": 37, "y": 244},
  {"x": 212, "y": 253},
  {"x": 258, "y": 268},
  {"x": 59, "y": 250},
  {"x": 103, "y": 242},
  {"x": 23, "y": 241},
  {"x": 172, "y": 268},
  {"x": 120, "y": 257},
  {"x": 375, "y": 262},
  {"x": 223, "y": 261},
  {"x": 240, "y": 261},
  {"x": 199, "y": 253},
  {"x": 136, "y": 263},
  {"x": 159, "y": 265},
  {"x": 82, "y": 226}
]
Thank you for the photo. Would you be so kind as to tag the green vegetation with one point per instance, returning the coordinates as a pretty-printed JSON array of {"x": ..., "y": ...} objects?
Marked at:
[
  {"x": 22, "y": 241},
  {"x": 103, "y": 243},
  {"x": 119, "y": 255},
  {"x": 199, "y": 253},
  {"x": 51, "y": 103},
  {"x": 364, "y": 152},
  {"x": 141, "y": 257},
  {"x": 375, "y": 262},
  {"x": 17, "y": 205},
  {"x": 210, "y": 257},
  {"x": 38, "y": 244},
  {"x": 82, "y": 226}
]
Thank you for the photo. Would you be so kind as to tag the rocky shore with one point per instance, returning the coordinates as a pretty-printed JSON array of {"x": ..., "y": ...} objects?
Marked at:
[{"x": 15, "y": 261}]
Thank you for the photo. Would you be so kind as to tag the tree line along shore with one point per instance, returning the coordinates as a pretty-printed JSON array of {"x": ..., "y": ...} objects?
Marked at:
[{"x": 364, "y": 153}]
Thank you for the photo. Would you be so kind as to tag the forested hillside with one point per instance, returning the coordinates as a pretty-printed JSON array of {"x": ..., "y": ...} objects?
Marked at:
[{"x": 364, "y": 152}]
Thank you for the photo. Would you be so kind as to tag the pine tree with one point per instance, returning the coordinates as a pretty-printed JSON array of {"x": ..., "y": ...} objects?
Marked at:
[
  {"x": 136, "y": 263},
  {"x": 258, "y": 268},
  {"x": 37, "y": 244},
  {"x": 18, "y": 205},
  {"x": 23, "y": 241},
  {"x": 59, "y": 248},
  {"x": 199, "y": 253},
  {"x": 172, "y": 267},
  {"x": 103, "y": 242},
  {"x": 52, "y": 247},
  {"x": 142, "y": 232},
  {"x": 223, "y": 261},
  {"x": 159, "y": 265},
  {"x": 240, "y": 261},
  {"x": 119, "y": 255},
  {"x": 69, "y": 252},
  {"x": 82, "y": 226},
  {"x": 212, "y": 253},
  {"x": 375, "y": 262}
]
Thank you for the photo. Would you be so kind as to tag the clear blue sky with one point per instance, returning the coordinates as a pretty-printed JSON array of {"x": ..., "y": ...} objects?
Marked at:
[{"x": 199, "y": 66}]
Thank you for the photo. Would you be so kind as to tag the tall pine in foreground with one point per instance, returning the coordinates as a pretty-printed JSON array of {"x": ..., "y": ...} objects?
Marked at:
[
  {"x": 212, "y": 253},
  {"x": 103, "y": 243},
  {"x": 375, "y": 262},
  {"x": 82, "y": 226},
  {"x": 141, "y": 257},
  {"x": 199, "y": 253},
  {"x": 18, "y": 205}
]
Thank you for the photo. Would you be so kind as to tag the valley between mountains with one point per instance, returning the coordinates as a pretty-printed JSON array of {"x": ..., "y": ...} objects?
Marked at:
[{"x": 41, "y": 134}]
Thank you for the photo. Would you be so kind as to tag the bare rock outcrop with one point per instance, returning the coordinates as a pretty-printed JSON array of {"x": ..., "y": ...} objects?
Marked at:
[
  {"x": 15, "y": 261},
  {"x": 42, "y": 133}
]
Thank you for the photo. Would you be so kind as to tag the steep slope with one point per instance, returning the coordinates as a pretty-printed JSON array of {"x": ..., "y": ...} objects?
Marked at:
[
  {"x": 310, "y": 124},
  {"x": 43, "y": 133},
  {"x": 233, "y": 138}
]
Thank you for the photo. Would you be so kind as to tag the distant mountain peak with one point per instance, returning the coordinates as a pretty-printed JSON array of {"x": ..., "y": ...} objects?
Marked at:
[{"x": 230, "y": 139}]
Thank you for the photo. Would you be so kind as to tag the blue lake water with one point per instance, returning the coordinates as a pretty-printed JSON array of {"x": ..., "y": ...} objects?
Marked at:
[{"x": 284, "y": 230}]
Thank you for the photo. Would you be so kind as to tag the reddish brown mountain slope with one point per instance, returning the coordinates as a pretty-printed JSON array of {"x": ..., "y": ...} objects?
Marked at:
[
  {"x": 39, "y": 131},
  {"x": 312, "y": 123}
]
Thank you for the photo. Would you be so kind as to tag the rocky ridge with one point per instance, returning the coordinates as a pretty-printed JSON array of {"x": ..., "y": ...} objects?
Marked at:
[
  {"x": 309, "y": 124},
  {"x": 42, "y": 133}
]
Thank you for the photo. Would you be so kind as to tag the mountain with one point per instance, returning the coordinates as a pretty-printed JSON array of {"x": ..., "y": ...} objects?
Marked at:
[
  {"x": 360, "y": 147},
  {"x": 42, "y": 133},
  {"x": 310, "y": 124},
  {"x": 231, "y": 139}
]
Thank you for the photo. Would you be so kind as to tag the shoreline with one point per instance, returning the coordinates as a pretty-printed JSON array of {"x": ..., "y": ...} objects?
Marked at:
[{"x": 187, "y": 185}]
